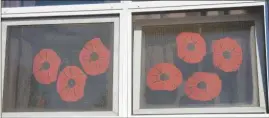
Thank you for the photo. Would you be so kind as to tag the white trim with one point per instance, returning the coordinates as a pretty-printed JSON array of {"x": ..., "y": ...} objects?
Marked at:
[
  {"x": 68, "y": 13},
  {"x": 61, "y": 21},
  {"x": 137, "y": 67},
  {"x": 115, "y": 8},
  {"x": 204, "y": 116},
  {"x": 115, "y": 100},
  {"x": 3, "y": 56},
  {"x": 188, "y": 5},
  {"x": 56, "y": 114},
  {"x": 62, "y": 10},
  {"x": 149, "y": 4},
  {"x": 125, "y": 62},
  {"x": 200, "y": 110},
  {"x": 254, "y": 68},
  {"x": 138, "y": 37},
  {"x": 258, "y": 36}
]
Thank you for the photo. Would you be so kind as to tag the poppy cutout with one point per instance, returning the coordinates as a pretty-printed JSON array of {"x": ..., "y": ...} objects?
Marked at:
[
  {"x": 191, "y": 47},
  {"x": 164, "y": 76},
  {"x": 203, "y": 86},
  {"x": 45, "y": 66},
  {"x": 227, "y": 54},
  {"x": 71, "y": 83},
  {"x": 94, "y": 57}
]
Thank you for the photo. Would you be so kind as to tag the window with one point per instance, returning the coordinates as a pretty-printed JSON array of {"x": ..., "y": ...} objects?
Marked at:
[
  {"x": 25, "y": 3},
  {"x": 61, "y": 65},
  {"x": 138, "y": 58},
  {"x": 198, "y": 62}
]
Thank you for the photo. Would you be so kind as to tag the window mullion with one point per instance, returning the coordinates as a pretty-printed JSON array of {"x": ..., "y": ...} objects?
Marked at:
[{"x": 125, "y": 50}]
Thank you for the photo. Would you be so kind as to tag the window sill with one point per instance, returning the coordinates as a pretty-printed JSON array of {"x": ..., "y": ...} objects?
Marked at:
[
  {"x": 58, "y": 114},
  {"x": 201, "y": 115},
  {"x": 231, "y": 110}
]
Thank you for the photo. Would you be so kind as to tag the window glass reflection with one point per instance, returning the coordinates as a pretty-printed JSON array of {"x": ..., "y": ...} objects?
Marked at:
[{"x": 25, "y": 3}]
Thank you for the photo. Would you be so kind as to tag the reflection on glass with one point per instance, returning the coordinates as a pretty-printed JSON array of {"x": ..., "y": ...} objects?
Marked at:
[
  {"x": 45, "y": 68},
  {"x": 199, "y": 65},
  {"x": 24, "y": 3}
]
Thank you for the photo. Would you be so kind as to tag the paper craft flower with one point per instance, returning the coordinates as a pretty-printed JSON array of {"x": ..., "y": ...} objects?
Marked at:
[
  {"x": 191, "y": 47},
  {"x": 164, "y": 76},
  {"x": 71, "y": 83},
  {"x": 45, "y": 66},
  {"x": 203, "y": 86},
  {"x": 227, "y": 54},
  {"x": 94, "y": 57}
]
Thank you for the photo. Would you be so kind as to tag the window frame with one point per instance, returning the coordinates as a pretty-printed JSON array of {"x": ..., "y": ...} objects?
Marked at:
[
  {"x": 123, "y": 6},
  {"x": 137, "y": 52},
  {"x": 115, "y": 94}
]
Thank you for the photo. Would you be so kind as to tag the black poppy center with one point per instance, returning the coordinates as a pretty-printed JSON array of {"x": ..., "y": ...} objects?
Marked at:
[
  {"x": 45, "y": 66},
  {"x": 71, "y": 83},
  {"x": 191, "y": 46},
  {"x": 164, "y": 77},
  {"x": 226, "y": 54},
  {"x": 201, "y": 85},
  {"x": 94, "y": 56}
]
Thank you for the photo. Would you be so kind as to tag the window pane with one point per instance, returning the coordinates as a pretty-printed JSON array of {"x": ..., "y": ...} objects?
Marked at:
[
  {"x": 199, "y": 65},
  {"x": 22, "y": 3},
  {"x": 62, "y": 67}
]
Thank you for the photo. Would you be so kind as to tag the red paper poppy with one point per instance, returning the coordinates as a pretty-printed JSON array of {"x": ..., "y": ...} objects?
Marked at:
[
  {"x": 203, "y": 86},
  {"x": 227, "y": 54},
  {"x": 191, "y": 47},
  {"x": 45, "y": 66},
  {"x": 71, "y": 83},
  {"x": 94, "y": 57},
  {"x": 164, "y": 76}
]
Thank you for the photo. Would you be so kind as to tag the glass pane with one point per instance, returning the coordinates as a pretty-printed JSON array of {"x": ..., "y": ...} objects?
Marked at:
[
  {"x": 23, "y": 3},
  {"x": 199, "y": 65},
  {"x": 61, "y": 67}
]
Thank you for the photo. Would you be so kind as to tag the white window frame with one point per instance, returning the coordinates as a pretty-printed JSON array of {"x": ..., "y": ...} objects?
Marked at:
[
  {"x": 138, "y": 39},
  {"x": 125, "y": 9},
  {"x": 115, "y": 95},
  {"x": 138, "y": 34}
]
